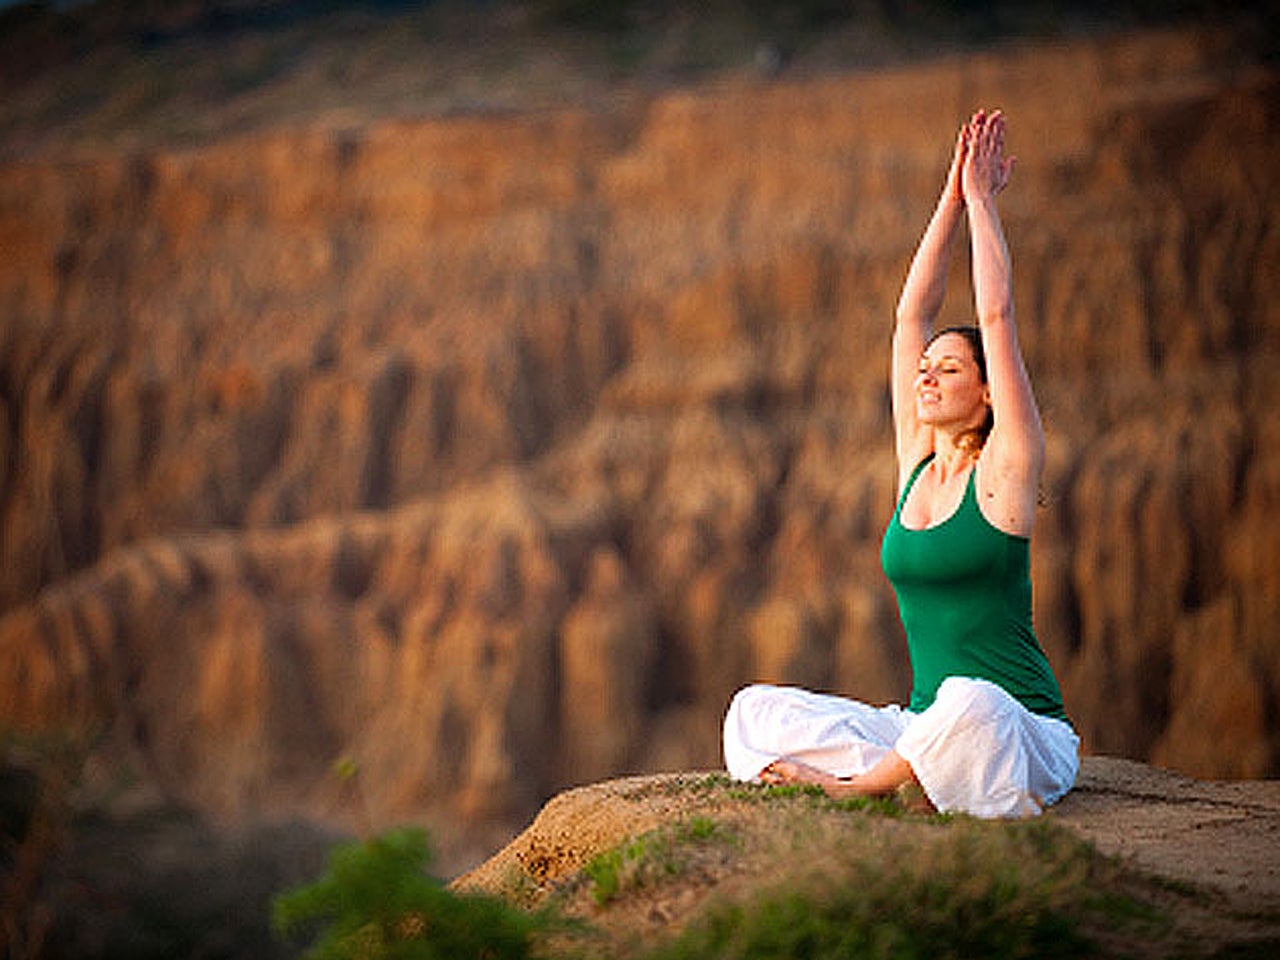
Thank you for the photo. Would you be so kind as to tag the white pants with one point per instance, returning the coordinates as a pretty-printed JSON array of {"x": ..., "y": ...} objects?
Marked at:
[{"x": 976, "y": 750}]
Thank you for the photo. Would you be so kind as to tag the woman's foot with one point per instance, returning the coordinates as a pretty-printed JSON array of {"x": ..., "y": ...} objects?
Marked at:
[
  {"x": 793, "y": 772},
  {"x": 892, "y": 776}
]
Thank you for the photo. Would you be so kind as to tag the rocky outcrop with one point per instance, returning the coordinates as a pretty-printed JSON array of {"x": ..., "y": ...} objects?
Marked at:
[
  {"x": 1214, "y": 836},
  {"x": 494, "y": 452}
]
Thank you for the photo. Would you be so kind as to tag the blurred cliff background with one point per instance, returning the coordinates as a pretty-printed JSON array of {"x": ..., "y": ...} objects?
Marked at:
[{"x": 412, "y": 409}]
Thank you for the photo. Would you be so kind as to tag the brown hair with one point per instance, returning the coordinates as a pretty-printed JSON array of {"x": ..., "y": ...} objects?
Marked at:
[{"x": 975, "y": 439}]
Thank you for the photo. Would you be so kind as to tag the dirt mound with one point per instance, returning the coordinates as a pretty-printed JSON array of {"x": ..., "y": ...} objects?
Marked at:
[
  {"x": 1215, "y": 844},
  {"x": 1221, "y": 835}
]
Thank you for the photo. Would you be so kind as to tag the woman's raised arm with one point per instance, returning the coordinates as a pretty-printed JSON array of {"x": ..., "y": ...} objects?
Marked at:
[
  {"x": 918, "y": 306},
  {"x": 1014, "y": 452}
]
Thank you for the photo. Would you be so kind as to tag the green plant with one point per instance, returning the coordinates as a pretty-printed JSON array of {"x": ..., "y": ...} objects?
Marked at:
[
  {"x": 651, "y": 857},
  {"x": 606, "y": 870},
  {"x": 981, "y": 890},
  {"x": 377, "y": 902}
]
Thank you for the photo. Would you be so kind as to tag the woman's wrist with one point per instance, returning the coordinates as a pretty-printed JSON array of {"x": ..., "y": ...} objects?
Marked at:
[
  {"x": 950, "y": 209},
  {"x": 981, "y": 202}
]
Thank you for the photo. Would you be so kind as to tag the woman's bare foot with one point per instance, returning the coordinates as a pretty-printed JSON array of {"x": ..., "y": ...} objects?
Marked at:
[
  {"x": 788, "y": 772},
  {"x": 892, "y": 776}
]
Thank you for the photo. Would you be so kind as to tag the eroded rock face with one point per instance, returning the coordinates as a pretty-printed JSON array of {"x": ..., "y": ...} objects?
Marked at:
[{"x": 495, "y": 453}]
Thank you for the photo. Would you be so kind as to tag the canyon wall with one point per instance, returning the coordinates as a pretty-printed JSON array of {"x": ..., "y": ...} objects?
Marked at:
[{"x": 491, "y": 453}]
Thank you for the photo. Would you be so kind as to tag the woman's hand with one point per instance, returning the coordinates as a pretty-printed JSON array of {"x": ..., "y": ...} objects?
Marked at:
[
  {"x": 954, "y": 189},
  {"x": 985, "y": 170}
]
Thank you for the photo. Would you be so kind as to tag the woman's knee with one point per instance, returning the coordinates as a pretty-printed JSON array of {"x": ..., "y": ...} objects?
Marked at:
[
  {"x": 975, "y": 699},
  {"x": 744, "y": 705}
]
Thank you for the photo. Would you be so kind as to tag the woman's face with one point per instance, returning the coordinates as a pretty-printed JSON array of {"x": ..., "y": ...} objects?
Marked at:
[{"x": 949, "y": 387}]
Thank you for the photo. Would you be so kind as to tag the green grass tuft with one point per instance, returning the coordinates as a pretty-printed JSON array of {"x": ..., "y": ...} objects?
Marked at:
[
  {"x": 981, "y": 890},
  {"x": 841, "y": 924},
  {"x": 651, "y": 857}
]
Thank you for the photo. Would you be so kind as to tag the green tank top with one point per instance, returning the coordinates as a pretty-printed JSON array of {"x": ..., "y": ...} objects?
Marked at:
[{"x": 964, "y": 595}]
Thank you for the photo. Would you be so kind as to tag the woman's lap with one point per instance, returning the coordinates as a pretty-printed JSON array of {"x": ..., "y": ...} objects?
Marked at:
[{"x": 976, "y": 749}]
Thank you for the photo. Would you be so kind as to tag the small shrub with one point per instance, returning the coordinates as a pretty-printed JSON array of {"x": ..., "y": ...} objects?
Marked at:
[{"x": 377, "y": 902}]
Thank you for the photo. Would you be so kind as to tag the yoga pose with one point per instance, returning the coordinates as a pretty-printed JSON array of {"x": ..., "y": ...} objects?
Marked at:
[{"x": 984, "y": 732}]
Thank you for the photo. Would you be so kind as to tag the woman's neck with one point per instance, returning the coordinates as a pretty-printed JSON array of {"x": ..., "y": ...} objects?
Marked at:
[{"x": 952, "y": 453}]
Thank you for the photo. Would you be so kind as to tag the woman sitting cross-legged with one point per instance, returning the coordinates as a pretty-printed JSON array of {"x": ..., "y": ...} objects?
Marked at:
[{"x": 985, "y": 731}]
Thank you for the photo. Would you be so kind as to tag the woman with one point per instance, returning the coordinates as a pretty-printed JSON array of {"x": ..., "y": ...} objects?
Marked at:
[{"x": 984, "y": 732}]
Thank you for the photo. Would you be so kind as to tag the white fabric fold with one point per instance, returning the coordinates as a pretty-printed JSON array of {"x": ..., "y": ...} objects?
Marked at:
[{"x": 975, "y": 750}]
